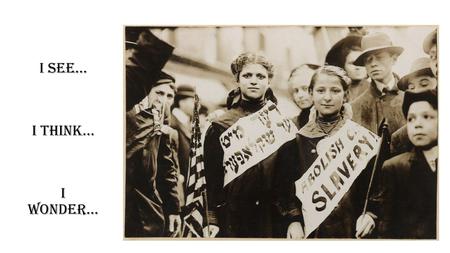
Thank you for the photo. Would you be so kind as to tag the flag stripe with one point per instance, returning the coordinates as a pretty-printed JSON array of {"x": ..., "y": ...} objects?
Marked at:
[{"x": 195, "y": 218}]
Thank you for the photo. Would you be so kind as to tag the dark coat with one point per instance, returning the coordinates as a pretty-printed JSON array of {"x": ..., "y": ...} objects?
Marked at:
[
  {"x": 372, "y": 106},
  {"x": 151, "y": 178},
  {"x": 302, "y": 118},
  {"x": 183, "y": 144},
  {"x": 357, "y": 88},
  {"x": 406, "y": 201},
  {"x": 341, "y": 223},
  {"x": 400, "y": 142},
  {"x": 255, "y": 203}
]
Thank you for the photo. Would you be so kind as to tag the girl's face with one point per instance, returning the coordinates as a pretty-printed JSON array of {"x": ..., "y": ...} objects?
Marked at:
[
  {"x": 253, "y": 81},
  {"x": 299, "y": 84},
  {"x": 328, "y": 95},
  {"x": 353, "y": 71}
]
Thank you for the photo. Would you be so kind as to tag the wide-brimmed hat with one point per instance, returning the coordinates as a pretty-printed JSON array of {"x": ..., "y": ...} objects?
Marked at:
[
  {"x": 419, "y": 67},
  {"x": 339, "y": 51},
  {"x": 429, "y": 41},
  {"x": 429, "y": 96},
  {"x": 376, "y": 42}
]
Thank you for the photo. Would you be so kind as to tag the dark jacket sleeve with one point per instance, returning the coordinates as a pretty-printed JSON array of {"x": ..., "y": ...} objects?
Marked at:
[
  {"x": 380, "y": 201},
  {"x": 167, "y": 176},
  {"x": 288, "y": 172},
  {"x": 214, "y": 171},
  {"x": 400, "y": 142}
]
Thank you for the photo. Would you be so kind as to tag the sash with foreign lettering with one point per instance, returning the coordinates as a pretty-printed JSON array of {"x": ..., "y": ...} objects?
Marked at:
[{"x": 253, "y": 138}]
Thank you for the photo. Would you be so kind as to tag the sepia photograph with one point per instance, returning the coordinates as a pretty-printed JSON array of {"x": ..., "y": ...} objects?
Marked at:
[{"x": 285, "y": 132}]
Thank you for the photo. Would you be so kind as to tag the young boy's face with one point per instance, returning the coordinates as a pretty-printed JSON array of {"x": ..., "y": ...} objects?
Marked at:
[
  {"x": 422, "y": 124},
  {"x": 421, "y": 83}
]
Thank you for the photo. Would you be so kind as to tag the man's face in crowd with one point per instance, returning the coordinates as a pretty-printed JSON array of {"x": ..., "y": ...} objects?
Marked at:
[
  {"x": 422, "y": 124},
  {"x": 379, "y": 65},
  {"x": 421, "y": 83},
  {"x": 161, "y": 95},
  {"x": 187, "y": 105}
]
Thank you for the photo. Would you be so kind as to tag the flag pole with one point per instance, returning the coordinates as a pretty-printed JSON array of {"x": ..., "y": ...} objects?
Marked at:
[
  {"x": 197, "y": 128},
  {"x": 207, "y": 210},
  {"x": 195, "y": 145},
  {"x": 191, "y": 145},
  {"x": 384, "y": 128}
]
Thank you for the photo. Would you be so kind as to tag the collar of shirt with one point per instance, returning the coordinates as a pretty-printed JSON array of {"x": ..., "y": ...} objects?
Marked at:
[
  {"x": 389, "y": 86},
  {"x": 431, "y": 156}
]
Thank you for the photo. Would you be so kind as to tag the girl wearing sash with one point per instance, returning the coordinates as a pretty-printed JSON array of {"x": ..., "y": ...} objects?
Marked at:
[
  {"x": 329, "y": 86},
  {"x": 249, "y": 205}
]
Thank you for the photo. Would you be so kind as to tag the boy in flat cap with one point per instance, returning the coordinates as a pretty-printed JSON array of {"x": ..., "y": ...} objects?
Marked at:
[
  {"x": 382, "y": 99},
  {"x": 152, "y": 199},
  {"x": 405, "y": 204}
]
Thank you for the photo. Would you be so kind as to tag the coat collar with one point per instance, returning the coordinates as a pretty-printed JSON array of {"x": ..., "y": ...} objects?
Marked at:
[
  {"x": 374, "y": 89},
  {"x": 417, "y": 157}
]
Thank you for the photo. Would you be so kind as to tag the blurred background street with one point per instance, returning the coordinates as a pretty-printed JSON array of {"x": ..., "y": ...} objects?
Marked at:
[{"x": 202, "y": 55}]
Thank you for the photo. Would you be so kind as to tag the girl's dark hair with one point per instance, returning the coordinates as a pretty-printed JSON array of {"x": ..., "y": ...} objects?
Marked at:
[
  {"x": 345, "y": 52},
  {"x": 331, "y": 71},
  {"x": 247, "y": 58},
  {"x": 338, "y": 53}
]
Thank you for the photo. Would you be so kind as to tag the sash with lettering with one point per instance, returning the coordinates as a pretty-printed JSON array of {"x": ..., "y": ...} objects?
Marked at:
[
  {"x": 341, "y": 158},
  {"x": 253, "y": 138}
]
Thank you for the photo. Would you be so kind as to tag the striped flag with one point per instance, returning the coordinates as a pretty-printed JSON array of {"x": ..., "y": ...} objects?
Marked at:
[{"x": 196, "y": 203}]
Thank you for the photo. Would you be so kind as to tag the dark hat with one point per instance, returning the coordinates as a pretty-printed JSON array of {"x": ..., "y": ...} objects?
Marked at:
[
  {"x": 130, "y": 44},
  {"x": 339, "y": 51},
  {"x": 164, "y": 78},
  {"x": 420, "y": 67},
  {"x": 376, "y": 42},
  {"x": 143, "y": 67},
  {"x": 152, "y": 53},
  {"x": 132, "y": 35},
  {"x": 429, "y": 41},
  {"x": 185, "y": 90},
  {"x": 429, "y": 96},
  {"x": 132, "y": 32}
]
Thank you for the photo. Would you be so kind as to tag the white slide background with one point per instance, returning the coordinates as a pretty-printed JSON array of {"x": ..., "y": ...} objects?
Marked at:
[{"x": 90, "y": 34}]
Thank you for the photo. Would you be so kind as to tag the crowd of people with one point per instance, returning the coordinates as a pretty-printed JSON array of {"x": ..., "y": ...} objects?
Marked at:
[{"x": 394, "y": 195}]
